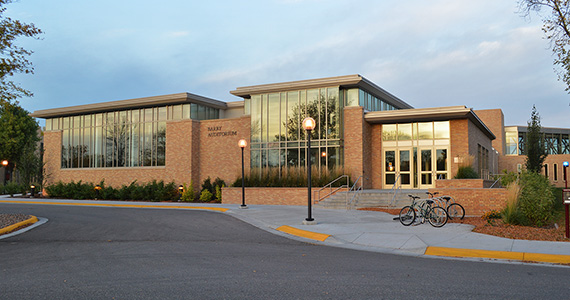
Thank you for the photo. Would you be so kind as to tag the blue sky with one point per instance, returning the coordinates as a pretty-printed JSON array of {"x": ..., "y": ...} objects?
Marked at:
[{"x": 481, "y": 54}]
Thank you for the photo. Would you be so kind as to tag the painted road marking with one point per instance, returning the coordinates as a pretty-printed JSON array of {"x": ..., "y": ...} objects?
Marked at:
[
  {"x": 522, "y": 256},
  {"x": 118, "y": 205},
  {"x": 304, "y": 233}
]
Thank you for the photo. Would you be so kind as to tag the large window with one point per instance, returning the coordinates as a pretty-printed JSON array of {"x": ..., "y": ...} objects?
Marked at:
[
  {"x": 130, "y": 138},
  {"x": 554, "y": 143},
  {"x": 277, "y": 137}
]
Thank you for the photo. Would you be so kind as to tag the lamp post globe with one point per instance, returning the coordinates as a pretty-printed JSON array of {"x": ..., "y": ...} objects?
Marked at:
[
  {"x": 5, "y": 163},
  {"x": 242, "y": 144},
  {"x": 309, "y": 124}
]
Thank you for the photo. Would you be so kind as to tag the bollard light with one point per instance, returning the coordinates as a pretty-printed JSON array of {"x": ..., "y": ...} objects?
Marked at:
[
  {"x": 33, "y": 191},
  {"x": 180, "y": 191},
  {"x": 242, "y": 144},
  {"x": 97, "y": 191},
  {"x": 309, "y": 124}
]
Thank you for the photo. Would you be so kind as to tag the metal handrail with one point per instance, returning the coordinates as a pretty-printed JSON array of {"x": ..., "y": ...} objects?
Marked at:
[
  {"x": 329, "y": 186},
  {"x": 397, "y": 190},
  {"x": 357, "y": 192}
]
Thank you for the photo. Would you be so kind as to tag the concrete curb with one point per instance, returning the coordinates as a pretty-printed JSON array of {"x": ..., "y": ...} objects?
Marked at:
[
  {"x": 509, "y": 255},
  {"x": 31, "y": 220}
]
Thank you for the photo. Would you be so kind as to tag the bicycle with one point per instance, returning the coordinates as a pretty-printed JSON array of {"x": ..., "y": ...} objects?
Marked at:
[
  {"x": 453, "y": 209},
  {"x": 436, "y": 215}
]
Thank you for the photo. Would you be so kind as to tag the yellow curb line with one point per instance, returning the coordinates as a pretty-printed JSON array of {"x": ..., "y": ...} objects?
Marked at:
[
  {"x": 31, "y": 220},
  {"x": 522, "y": 256},
  {"x": 119, "y": 205},
  {"x": 304, "y": 233}
]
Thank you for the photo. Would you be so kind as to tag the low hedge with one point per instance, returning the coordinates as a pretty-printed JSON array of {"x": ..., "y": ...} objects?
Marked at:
[{"x": 151, "y": 191}]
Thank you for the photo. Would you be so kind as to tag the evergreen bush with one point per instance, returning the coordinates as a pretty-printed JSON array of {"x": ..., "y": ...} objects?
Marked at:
[
  {"x": 205, "y": 196},
  {"x": 536, "y": 201}
]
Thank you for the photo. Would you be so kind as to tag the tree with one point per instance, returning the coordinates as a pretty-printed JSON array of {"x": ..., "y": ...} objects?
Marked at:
[
  {"x": 535, "y": 150},
  {"x": 556, "y": 27},
  {"x": 18, "y": 134},
  {"x": 13, "y": 59}
]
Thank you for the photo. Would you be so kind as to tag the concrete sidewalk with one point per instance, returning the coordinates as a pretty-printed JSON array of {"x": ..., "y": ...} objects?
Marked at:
[{"x": 362, "y": 230}]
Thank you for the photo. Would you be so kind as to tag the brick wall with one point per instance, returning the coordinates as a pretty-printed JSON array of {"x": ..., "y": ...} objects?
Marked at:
[
  {"x": 459, "y": 143},
  {"x": 495, "y": 121},
  {"x": 377, "y": 170},
  {"x": 463, "y": 183},
  {"x": 267, "y": 196},
  {"x": 476, "y": 201},
  {"x": 219, "y": 153},
  {"x": 191, "y": 154},
  {"x": 353, "y": 141}
]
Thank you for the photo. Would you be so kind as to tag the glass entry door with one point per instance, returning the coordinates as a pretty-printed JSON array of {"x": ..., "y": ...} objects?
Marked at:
[
  {"x": 433, "y": 164},
  {"x": 398, "y": 168}
]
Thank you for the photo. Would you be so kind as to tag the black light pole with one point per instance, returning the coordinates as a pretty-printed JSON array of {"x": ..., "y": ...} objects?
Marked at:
[
  {"x": 309, "y": 124},
  {"x": 242, "y": 144},
  {"x": 565, "y": 166}
]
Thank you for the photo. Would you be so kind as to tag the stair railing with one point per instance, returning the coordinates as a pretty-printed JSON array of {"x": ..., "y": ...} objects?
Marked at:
[
  {"x": 355, "y": 190},
  {"x": 395, "y": 190},
  {"x": 331, "y": 191}
]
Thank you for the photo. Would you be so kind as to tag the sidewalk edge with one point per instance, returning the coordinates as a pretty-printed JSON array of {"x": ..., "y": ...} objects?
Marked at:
[{"x": 520, "y": 256}]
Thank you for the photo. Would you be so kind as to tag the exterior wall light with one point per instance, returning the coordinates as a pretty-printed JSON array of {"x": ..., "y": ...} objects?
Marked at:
[
  {"x": 242, "y": 144},
  {"x": 309, "y": 124}
]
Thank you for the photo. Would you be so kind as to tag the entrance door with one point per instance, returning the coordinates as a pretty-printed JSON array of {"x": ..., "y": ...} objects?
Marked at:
[
  {"x": 433, "y": 164},
  {"x": 398, "y": 168},
  {"x": 425, "y": 169}
]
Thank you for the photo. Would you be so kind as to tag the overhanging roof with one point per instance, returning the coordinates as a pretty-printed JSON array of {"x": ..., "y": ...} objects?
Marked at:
[
  {"x": 428, "y": 114},
  {"x": 347, "y": 81},
  {"x": 171, "y": 99}
]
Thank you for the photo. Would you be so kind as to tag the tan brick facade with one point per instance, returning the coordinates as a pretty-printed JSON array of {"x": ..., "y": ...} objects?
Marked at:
[
  {"x": 192, "y": 153},
  {"x": 476, "y": 201},
  {"x": 267, "y": 196}
]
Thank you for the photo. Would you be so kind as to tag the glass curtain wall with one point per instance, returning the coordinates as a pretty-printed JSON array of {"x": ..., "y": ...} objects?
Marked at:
[
  {"x": 358, "y": 97},
  {"x": 278, "y": 139},
  {"x": 554, "y": 143},
  {"x": 130, "y": 138}
]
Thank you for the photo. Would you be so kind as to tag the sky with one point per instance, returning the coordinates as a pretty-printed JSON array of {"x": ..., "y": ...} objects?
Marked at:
[{"x": 481, "y": 54}]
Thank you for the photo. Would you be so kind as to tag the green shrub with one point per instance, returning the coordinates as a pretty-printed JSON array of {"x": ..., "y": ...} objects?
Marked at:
[
  {"x": 207, "y": 185},
  {"x": 218, "y": 194},
  {"x": 188, "y": 194},
  {"x": 508, "y": 178},
  {"x": 205, "y": 196},
  {"x": 290, "y": 177},
  {"x": 13, "y": 188},
  {"x": 1, "y": 189},
  {"x": 536, "y": 202},
  {"x": 466, "y": 172},
  {"x": 152, "y": 191}
]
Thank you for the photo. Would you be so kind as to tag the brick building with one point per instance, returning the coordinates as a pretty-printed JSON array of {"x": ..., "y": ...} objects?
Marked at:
[{"x": 360, "y": 127}]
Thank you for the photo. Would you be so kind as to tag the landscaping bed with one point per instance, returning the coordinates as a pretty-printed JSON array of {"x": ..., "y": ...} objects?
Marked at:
[{"x": 496, "y": 227}]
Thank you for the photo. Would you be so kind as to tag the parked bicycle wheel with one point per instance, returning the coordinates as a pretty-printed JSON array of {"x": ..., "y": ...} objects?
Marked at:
[
  {"x": 407, "y": 215},
  {"x": 436, "y": 216},
  {"x": 455, "y": 211}
]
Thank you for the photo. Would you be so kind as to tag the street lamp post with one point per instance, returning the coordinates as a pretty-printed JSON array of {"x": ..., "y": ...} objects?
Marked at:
[
  {"x": 242, "y": 144},
  {"x": 565, "y": 166},
  {"x": 309, "y": 124}
]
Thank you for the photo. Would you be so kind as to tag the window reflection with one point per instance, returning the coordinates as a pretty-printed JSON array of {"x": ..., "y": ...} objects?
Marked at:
[{"x": 128, "y": 138}]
